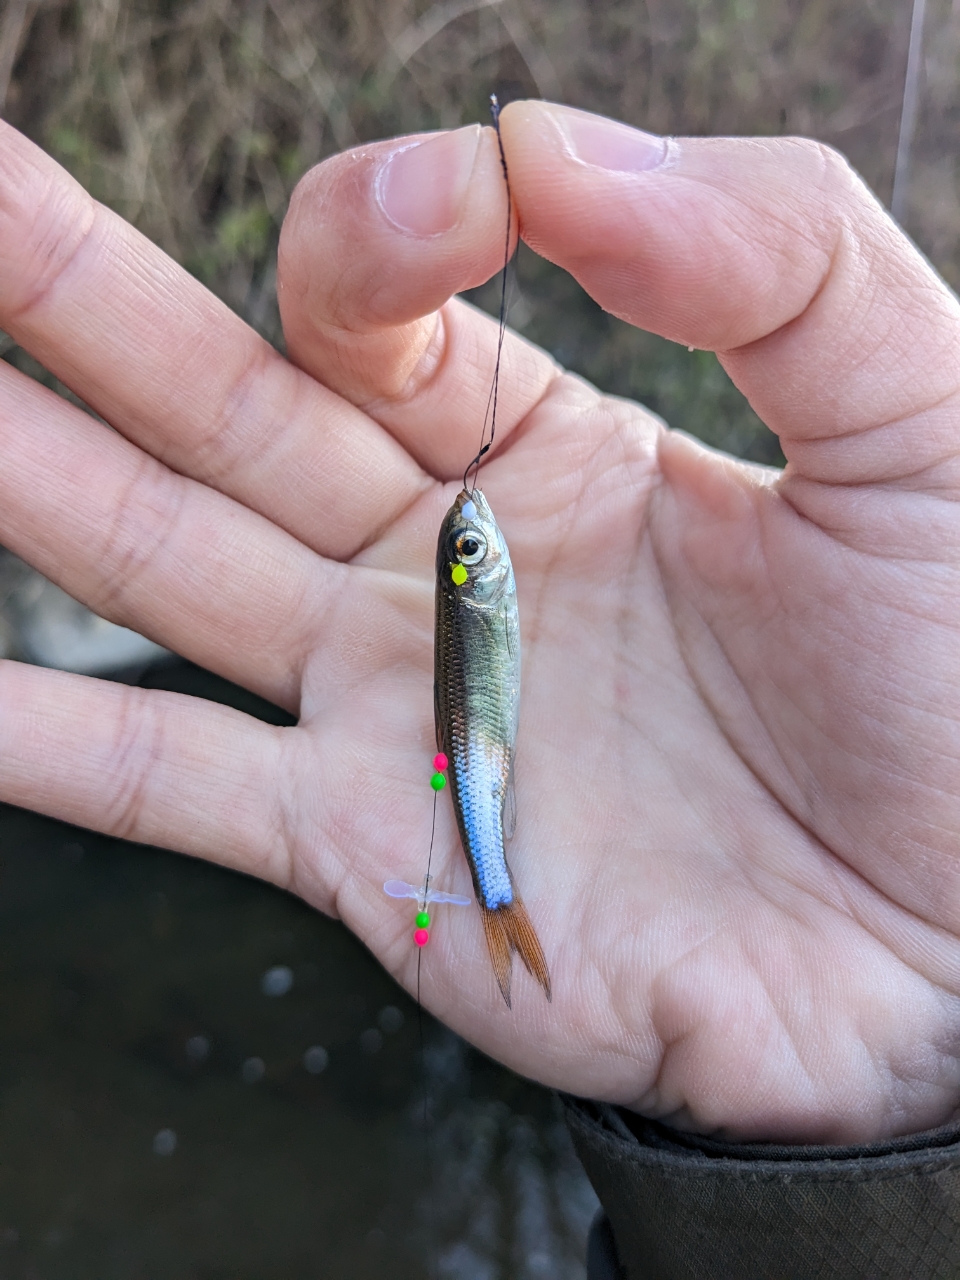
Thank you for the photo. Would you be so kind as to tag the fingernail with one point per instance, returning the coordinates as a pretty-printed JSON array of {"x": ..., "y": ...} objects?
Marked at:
[
  {"x": 608, "y": 144},
  {"x": 421, "y": 187}
]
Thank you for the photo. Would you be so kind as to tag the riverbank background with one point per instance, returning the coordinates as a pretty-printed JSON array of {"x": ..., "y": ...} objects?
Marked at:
[{"x": 199, "y": 1077}]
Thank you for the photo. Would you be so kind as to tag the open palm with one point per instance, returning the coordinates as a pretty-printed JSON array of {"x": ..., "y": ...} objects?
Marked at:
[{"x": 737, "y": 770}]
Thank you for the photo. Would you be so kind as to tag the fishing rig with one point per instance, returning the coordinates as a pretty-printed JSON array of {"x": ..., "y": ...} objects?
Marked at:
[{"x": 425, "y": 896}]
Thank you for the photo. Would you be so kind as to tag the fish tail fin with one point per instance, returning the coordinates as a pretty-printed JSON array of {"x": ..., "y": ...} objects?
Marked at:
[
  {"x": 508, "y": 929},
  {"x": 498, "y": 944}
]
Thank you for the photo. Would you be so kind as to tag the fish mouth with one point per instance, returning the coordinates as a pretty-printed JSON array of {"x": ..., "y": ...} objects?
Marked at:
[{"x": 467, "y": 499}]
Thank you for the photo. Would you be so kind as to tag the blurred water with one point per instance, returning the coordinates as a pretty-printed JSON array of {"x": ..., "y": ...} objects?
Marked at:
[
  {"x": 41, "y": 624},
  {"x": 201, "y": 1078}
]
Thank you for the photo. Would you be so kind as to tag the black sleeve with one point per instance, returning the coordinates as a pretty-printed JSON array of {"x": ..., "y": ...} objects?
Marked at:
[{"x": 681, "y": 1207}]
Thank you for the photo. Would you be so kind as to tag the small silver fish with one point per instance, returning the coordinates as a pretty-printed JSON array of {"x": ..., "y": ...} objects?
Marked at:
[{"x": 477, "y": 704}]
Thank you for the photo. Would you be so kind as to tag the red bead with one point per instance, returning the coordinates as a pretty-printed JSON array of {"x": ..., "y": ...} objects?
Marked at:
[
  {"x": 421, "y": 937},
  {"x": 440, "y": 762}
]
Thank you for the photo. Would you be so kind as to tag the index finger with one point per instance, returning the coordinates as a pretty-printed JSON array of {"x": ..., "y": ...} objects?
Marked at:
[
  {"x": 171, "y": 367},
  {"x": 375, "y": 242}
]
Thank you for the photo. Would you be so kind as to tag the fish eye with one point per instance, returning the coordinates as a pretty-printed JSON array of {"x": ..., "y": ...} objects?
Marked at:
[{"x": 471, "y": 548}]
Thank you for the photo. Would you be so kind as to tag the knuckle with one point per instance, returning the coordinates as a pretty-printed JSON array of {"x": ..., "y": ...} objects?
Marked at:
[
  {"x": 835, "y": 174},
  {"x": 407, "y": 365},
  {"x": 45, "y": 220},
  {"x": 131, "y": 759},
  {"x": 239, "y": 437},
  {"x": 144, "y": 518}
]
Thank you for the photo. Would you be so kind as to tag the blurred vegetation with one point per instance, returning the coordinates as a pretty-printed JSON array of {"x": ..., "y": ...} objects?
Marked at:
[{"x": 195, "y": 118}]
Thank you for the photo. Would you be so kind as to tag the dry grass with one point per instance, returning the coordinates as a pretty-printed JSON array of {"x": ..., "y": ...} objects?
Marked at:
[{"x": 194, "y": 119}]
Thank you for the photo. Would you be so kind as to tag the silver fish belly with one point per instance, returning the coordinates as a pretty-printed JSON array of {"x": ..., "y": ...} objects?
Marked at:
[{"x": 477, "y": 702}]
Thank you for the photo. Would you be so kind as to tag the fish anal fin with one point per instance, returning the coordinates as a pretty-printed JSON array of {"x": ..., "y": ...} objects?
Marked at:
[{"x": 508, "y": 928}]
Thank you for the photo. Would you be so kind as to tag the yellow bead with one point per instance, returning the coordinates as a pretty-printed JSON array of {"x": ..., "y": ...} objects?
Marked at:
[{"x": 459, "y": 574}]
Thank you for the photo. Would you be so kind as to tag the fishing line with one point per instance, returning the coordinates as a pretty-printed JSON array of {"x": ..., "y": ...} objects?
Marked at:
[
  {"x": 420, "y": 1033},
  {"x": 424, "y": 895},
  {"x": 490, "y": 416},
  {"x": 909, "y": 110},
  {"x": 426, "y": 888}
]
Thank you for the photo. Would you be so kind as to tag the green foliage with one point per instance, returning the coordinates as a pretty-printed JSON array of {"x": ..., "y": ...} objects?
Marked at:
[{"x": 244, "y": 232}]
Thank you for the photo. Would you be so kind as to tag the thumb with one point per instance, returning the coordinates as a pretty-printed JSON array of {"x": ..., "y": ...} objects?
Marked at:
[{"x": 770, "y": 251}]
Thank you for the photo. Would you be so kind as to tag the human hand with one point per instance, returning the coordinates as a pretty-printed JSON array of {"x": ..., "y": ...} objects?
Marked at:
[{"x": 737, "y": 783}]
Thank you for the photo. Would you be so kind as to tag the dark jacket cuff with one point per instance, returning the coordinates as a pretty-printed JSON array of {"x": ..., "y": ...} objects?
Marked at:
[{"x": 683, "y": 1207}]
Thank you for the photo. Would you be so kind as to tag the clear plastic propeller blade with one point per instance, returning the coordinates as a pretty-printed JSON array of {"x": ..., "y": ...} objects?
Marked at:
[
  {"x": 455, "y": 899},
  {"x": 400, "y": 889}
]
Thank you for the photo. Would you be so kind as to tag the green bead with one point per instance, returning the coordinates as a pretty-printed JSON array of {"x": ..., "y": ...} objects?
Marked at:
[
  {"x": 423, "y": 920},
  {"x": 438, "y": 782}
]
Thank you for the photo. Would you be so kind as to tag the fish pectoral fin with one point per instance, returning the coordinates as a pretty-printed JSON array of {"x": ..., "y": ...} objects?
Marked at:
[
  {"x": 508, "y": 929},
  {"x": 509, "y": 807},
  {"x": 438, "y": 720}
]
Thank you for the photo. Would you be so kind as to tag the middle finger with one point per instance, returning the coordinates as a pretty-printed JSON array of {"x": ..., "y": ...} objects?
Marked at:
[{"x": 156, "y": 551}]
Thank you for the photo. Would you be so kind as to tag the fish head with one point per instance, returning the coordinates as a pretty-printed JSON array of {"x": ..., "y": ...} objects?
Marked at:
[{"x": 472, "y": 557}]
